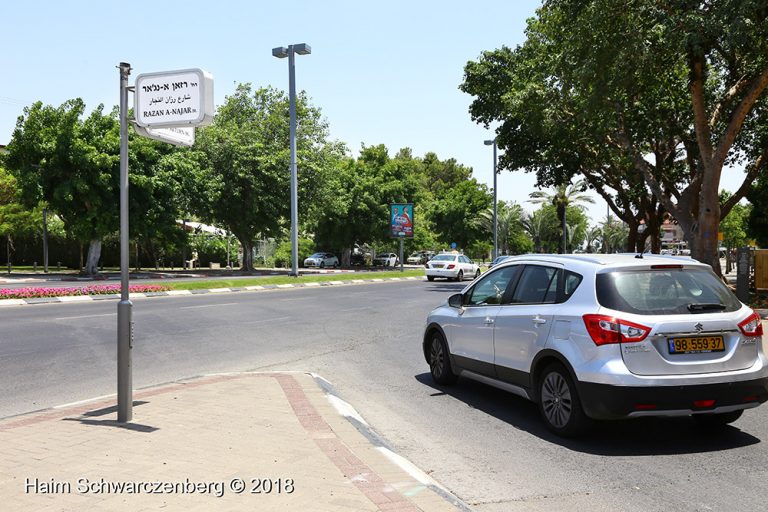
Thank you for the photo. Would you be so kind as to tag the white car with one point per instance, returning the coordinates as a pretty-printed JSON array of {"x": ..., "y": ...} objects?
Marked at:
[
  {"x": 455, "y": 267},
  {"x": 386, "y": 259},
  {"x": 322, "y": 260},
  {"x": 604, "y": 336}
]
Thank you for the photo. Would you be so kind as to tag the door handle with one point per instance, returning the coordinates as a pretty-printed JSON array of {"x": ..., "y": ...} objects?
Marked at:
[
  {"x": 538, "y": 320},
  {"x": 488, "y": 320}
]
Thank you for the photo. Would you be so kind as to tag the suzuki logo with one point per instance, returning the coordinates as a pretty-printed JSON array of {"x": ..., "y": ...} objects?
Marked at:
[{"x": 698, "y": 327}]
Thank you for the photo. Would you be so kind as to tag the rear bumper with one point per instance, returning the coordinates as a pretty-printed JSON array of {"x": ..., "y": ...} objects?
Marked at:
[{"x": 603, "y": 401}]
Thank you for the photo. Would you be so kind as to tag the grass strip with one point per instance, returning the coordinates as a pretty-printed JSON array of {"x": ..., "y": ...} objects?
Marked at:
[{"x": 309, "y": 278}]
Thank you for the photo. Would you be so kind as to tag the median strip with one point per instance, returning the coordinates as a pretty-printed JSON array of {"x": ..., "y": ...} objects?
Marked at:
[{"x": 112, "y": 292}]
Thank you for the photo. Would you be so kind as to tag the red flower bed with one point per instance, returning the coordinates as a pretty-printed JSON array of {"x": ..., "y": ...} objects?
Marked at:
[{"x": 35, "y": 293}]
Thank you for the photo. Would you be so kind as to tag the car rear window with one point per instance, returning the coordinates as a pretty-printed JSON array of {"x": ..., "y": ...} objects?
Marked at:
[{"x": 665, "y": 292}]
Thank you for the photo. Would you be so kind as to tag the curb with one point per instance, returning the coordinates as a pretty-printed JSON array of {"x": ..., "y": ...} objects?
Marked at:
[{"x": 174, "y": 293}]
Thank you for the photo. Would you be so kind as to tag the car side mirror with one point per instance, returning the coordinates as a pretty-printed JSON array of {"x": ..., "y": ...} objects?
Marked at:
[{"x": 456, "y": 300}]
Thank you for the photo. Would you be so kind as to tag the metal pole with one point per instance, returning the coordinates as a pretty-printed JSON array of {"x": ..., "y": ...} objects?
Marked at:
[
  {"x": 45, "y": 240},
  {"x": 124, "y": 308},
  {"x": 294, "y": 170},
  {"x": 401, "y": 255},
  {"x": 495, "y": 197}
]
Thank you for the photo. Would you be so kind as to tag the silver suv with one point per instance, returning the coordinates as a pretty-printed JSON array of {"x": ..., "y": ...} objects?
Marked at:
[{"x": 604, "y": 337}]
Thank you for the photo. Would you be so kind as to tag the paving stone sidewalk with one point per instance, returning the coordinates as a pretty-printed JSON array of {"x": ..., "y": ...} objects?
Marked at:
[{"x": 247, "y": 441}]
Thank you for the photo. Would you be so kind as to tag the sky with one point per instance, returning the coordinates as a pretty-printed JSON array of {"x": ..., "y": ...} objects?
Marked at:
[{"x": 381, "y": 72}]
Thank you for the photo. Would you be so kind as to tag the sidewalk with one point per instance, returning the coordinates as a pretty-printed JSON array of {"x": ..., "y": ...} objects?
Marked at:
[{"x": 249, "y": 441}]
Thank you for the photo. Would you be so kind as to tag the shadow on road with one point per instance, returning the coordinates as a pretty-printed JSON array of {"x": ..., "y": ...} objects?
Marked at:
[
  {"x": 445, "y": 287},
  {"x": 637, "y": 437}
]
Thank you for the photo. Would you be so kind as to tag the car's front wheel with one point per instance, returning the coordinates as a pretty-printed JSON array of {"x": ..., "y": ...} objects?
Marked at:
[
  {"x": 715, "y": 420},
  {"x": 559, "y": 402},
  {"x": 439, "y": 360},
  {"x": 430, "y": 278}
]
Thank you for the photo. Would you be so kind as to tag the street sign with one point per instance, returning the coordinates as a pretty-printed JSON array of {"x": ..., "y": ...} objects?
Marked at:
[
  {"x": 173, "y": 135},
  {"x": 174, "y": 99}
]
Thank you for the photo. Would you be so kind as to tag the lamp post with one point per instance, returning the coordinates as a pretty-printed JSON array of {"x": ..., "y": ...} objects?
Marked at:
[
  {"x": 281, "y": 53},
  {"x": 495, "y": 197}
]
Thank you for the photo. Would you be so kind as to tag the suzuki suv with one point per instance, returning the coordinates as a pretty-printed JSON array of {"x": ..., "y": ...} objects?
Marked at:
[{"x": 604, "y": 337}]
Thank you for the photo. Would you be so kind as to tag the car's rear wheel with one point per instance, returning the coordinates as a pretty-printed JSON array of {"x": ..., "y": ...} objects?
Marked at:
[
  {"x": 559, "y": 402},
  {"x": 716, "y": 420},
  {"x": 460, "y": 276},
  {"x": 440, "y": 361},
  {"x": 477, "y": 274}
]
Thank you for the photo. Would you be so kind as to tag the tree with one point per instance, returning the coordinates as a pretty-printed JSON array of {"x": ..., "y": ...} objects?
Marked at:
[
  {"x": 562, "y": 198},
  {"x": 72, "y": 164},
  {"x": 511, "y": 235},
  {"x": 682, "y": 82},
  {"x": 243, "y": 181},
  {"x": 15, "y": 219},
  {"x": 359, "y": 195},
  {"x": 454, "y": 215},
  {"x": 614, "y": 235}
]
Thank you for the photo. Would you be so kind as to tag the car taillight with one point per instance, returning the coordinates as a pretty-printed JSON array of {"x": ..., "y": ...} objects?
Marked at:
[
  {"x": 451, "y": 266},
  {"x": 605, "y": 330},
  {"x": 752, "y": 325}
]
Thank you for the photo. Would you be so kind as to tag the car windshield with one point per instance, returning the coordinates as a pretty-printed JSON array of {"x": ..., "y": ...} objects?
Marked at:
[
  {"x": 665, "y": 292},
  {"x": 444, "y": 257},
  {"x": 318, "y": 255}
]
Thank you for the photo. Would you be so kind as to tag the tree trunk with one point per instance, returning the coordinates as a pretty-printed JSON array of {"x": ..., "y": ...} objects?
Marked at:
[
  {"x": 94, "y": 254},
  {"x": 247, "y": 246},
  {"x": 704, "y": 248},
  {"x": 564, "y": 228},
  {"x": 346, "y": 257}
]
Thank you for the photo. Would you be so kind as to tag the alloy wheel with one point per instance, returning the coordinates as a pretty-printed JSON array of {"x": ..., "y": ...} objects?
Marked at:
[{"x": 556, "y": 400}]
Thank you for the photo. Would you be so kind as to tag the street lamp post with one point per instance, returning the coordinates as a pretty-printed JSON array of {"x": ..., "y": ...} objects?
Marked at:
[
  {"x": 281, "y": 53},
  {"x": 495, "y": 199}
]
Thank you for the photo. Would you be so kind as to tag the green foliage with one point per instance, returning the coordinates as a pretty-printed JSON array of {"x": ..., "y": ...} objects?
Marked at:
[
  {"x": 283, "y": 252},
  {"x": 243, "y": 180},
  {"x": 598, "y": 85}
]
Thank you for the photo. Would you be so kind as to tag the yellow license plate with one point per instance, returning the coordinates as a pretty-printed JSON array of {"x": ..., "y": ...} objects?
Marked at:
[{"x": 696, "y": 344}]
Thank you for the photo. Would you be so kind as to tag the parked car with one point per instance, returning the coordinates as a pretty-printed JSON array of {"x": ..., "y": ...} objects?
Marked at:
[
  {"x": 604, "y": 337},
  {"x": 498, "y": 260},
  {"x": 386, "y": 259},
  {"x": 322, "y": 260},
  {"x": 419, "y": 258},
  {"x": 452, "y": 266}
]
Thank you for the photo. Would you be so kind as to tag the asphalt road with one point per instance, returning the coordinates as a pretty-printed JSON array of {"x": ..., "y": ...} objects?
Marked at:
[{"x": 486, "y": 446}]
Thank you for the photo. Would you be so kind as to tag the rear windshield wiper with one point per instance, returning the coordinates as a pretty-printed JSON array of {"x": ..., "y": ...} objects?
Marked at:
[{"x": 694, "y": 308}]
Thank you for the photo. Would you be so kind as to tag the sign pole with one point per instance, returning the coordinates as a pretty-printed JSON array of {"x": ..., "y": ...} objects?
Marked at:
[
  {"x": 124, "y": 307},
  {"x": 401, "y": 254}
]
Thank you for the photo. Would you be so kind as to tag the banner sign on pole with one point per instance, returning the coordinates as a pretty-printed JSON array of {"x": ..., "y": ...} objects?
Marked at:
[{"x": 401, "y": 220}]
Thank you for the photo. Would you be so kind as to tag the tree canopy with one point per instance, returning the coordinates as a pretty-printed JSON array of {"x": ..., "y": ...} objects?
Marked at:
[{"x": 649, "y": 101}]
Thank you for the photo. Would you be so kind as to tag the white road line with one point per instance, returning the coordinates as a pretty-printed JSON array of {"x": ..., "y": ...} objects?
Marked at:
[
  {"x": 267, "y": 320},
  {"x": 210, "y": 305},
  {"x": 355, "y": 309},
  {"x": 83, "y": 316}
]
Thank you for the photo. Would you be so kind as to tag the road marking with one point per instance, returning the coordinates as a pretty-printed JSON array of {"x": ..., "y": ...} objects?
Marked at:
[
  {"x": 210, "y": 305},
  {"x": 83, "y": 316},
  {"x": 355, "y": 309},
  {"x": 267, "y": 320}
]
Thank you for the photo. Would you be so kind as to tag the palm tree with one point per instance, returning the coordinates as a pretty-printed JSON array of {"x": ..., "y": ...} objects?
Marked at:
[
  {"x": 509, "y": 220},
  {"x": 534, "y": 224},
  {"x": 593, "y": 235},
  {"x": 565, "y": 195}
]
